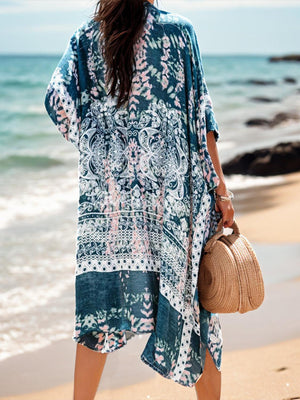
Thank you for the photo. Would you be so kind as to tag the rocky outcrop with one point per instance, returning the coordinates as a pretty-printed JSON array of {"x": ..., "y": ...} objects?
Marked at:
[
  {"x": 276, "y": 120},
  {"x": 262, "y": 99},
  {"x": 257, "y": 122},
  {"x": 279, "y": 159},
  {"x": 252, "y": 82},
  {"x": 290, "y": 79},
  {"x": 261, "y": 82},
  {"x": 290, "y": 57}
]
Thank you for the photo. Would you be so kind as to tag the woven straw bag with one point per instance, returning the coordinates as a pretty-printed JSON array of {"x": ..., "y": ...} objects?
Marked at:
[{"x": 230, "y": 277}]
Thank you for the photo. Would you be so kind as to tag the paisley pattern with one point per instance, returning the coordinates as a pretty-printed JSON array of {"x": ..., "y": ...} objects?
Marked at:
[{"x": 146, "y": 205}]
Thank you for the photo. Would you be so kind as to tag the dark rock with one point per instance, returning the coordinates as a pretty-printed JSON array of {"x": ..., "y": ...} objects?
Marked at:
[
  {"x": 251, "y": 82},
  {"x": 289, "y": 79},
  {"x": 261, "y": 82},
  {"x": 283, "y": 116},
  {"x": 276, "y": 120},
  {"x": 291, "y": 57},
  {"x": 281, "y": 369},
  {"x": 257, "y": 122},
  {"x": 292, "y": 398},
  {"x": 282, "y": 158},
  {"x": 264, "y": 99}
]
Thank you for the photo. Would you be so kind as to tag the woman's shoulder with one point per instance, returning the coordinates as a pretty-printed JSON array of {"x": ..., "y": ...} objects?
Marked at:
[
  {"x": 180, "y": 23},
  {"x": 86, "y": 27},
  {"x": 175, "y": 18},
  {"x": 85, "y": 33},
  {"x": 168, "y": 17}
]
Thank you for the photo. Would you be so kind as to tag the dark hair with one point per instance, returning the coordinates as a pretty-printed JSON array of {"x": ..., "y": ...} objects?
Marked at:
[{"x": 121, "y": 23}]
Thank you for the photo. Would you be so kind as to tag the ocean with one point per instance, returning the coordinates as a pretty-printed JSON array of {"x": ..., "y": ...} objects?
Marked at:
[{"x": 38, "y": 190}]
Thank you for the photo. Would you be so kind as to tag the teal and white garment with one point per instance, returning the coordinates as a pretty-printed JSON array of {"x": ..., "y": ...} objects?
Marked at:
[{"x": 146, "y": 205}]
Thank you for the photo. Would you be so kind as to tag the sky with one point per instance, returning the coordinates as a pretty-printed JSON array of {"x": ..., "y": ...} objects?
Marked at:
[{"x": 263, "y": 27}]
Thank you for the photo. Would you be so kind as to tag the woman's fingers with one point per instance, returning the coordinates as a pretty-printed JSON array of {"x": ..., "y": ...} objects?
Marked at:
[{"x": 227, "y": 210}]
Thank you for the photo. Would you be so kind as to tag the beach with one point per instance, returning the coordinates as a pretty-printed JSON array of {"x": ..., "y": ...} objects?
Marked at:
[
  {"x": 256, "y": 103},
  {"x": 270, "y": 373},
  {"x": 261, "y": 353}
]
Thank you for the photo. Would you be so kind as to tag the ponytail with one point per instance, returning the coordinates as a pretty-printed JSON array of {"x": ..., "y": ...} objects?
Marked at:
[{"x": 121, "y": 23}]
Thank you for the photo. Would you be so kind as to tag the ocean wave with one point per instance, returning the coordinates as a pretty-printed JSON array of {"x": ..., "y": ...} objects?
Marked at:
[
  {"x": 239, "y": 181},
  {"x": 42, "y": 196},
  {"x": 36, "y": 109},
  {"x": 30, "y": 135},
  {"x": 39, "y": 341},
  {"x": 19, "y": 300},
  {"x": 25, "y": 114},
  {"x": 28, "y": 161},
  {"x": 21, "y": 83}
]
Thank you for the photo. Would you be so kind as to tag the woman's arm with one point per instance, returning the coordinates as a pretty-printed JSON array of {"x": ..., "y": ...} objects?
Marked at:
[
  {"x": 214, "y": 155},
  {"x": 225, "y": 207}
]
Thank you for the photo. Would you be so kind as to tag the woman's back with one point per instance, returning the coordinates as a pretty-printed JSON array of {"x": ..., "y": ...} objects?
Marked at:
[{"x": 145, "y": 207}]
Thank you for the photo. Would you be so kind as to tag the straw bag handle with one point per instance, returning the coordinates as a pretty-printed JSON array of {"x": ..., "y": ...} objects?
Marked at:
[
  {"x": 234, "y": 227},
  {"x": 220, "y": 232}
]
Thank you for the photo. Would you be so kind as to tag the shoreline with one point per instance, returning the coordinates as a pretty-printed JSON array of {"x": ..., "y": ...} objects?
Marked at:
[
  {"x": 267, "y": 213},
  {"x": 254, "y": 343}
]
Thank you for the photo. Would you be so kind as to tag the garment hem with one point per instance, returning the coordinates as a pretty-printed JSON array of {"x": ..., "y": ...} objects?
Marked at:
[
  {"x": 163, "y": 374},
  {"x": 79, "y": 339}
]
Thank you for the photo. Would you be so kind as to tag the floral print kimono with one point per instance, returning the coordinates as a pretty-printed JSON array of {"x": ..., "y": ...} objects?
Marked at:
[{"x": 146, "y": 204}]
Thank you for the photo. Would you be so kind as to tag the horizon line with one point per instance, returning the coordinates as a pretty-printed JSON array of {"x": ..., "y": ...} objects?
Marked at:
[{"x": 282, "y": 54}]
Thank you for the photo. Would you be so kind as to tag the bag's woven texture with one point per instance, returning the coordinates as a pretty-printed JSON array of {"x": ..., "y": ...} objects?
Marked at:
[{"x": 230, "y": 278}]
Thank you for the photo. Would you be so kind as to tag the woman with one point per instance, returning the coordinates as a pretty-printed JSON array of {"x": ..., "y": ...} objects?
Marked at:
[{"x": 130, "y": 94}]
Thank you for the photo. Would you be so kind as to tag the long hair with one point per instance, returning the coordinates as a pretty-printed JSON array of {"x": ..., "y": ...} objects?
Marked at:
[{"x": 121, "y": 23}]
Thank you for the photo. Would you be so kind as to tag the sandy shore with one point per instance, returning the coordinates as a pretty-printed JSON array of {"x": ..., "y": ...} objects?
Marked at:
[
  {"x": 261, "y": 357},
  {"x": 270, "y": 373},
  {"x": 270, "y": 213}
]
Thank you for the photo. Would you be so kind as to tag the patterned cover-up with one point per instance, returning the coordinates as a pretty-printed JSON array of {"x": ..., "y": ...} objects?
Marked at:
[{"x": 146, "y": 205}]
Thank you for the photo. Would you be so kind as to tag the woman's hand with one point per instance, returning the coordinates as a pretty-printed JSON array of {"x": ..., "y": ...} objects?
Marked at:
[{"x": 226, "y": 208}]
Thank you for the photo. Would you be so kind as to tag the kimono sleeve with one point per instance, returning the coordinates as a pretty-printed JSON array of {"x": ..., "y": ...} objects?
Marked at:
[
  {"x": 211, "y": 122},
  {"x": 63, "y": 99}
]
